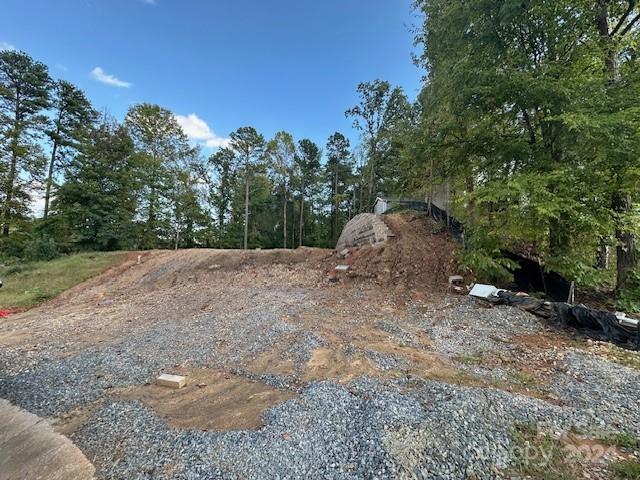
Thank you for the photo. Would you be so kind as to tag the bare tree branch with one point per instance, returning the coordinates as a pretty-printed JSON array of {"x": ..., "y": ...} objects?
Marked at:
[
  {"x": 623, "y": 18},
  {"x": 630, "y": 25}
]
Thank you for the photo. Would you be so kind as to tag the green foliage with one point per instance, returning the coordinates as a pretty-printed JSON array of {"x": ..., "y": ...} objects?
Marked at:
[
  {"x": 73, "y": 118},
  {"x": 622, "y": 439},
  {"x": 533, "y": 162},
  {"x": 96, "y": 207},
  {"x": 13, "y": 246},
  {"x": 24, "y": 96},
  {"x": 483, "y": 258},
  {"x": 41, "y": 248},
  {"x": 628, "y": 299},
  {"x": 383, "y": 114}
]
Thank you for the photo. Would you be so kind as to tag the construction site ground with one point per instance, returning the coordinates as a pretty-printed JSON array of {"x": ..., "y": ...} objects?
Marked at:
[{"x": 295, "y": 370}]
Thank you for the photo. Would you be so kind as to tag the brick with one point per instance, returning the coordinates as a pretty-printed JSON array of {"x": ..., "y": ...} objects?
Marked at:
[{"x": 171, "y": 381}]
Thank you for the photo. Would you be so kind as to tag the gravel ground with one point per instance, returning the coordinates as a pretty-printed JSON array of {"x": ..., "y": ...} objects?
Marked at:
[
  {"x": 465, "y": 326},
  {"x": 365, "y": 404},
  {"x": 608, "y": 391}
]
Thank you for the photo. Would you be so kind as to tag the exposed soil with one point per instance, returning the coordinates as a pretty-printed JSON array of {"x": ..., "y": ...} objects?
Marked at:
[
  {"x": 289, "y": 372},
  {"x": 421, "y": 256},
  {"x": 211, "y": 400}
]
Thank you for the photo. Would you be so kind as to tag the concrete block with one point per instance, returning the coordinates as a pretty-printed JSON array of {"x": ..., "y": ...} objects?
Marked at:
[{"x": 171, "y": 381}]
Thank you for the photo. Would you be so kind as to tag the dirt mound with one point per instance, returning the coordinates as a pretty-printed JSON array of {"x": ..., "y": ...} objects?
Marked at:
[{"x": 421, "y": 255}]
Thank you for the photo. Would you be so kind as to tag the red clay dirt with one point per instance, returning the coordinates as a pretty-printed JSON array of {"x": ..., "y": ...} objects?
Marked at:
[{"x": 421, "y": 255}]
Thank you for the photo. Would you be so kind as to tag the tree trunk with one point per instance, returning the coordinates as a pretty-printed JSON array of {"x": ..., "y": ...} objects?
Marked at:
[
  {"x": 602, "y": 255},
  {"x": 334, "y": 219},
  {"x": 47, "y": 193},
  {"x": 11, "y": 178},
  {"x": 246, "y": 209},
  {"x": 151, "y": 220},
  {"x": 220, "y": 224},
  {"x": 284, "y": 218},
  {"x": 301, "y": 231},
  {"x": 627, "y": 258},
  {"x": 9, "y": 194},
  {"x": 372, "y": 176}
]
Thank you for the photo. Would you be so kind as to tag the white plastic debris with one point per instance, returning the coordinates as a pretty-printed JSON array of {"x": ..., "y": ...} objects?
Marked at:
[
  {"x": 480, "y": 290},
  {"x": 342, "y": 268},
  {"x": 626, "y": 321}
]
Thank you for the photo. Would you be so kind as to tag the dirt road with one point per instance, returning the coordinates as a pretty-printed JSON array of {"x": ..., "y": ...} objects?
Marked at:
[{"x": 294, "y": 374}]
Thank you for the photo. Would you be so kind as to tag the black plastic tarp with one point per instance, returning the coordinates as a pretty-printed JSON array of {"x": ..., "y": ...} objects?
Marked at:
[{"x": 598, "y": 324}]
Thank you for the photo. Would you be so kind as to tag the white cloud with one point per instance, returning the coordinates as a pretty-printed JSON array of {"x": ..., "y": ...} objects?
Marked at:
[
  {"x": 197, "y": 129},
  {"x": 7, "y": 46},
  {"x": 100, "y": 75}
]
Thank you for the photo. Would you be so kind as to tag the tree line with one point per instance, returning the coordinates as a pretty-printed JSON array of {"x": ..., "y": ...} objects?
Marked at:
[
  {"x": 140, "y": 183},
  {"x": 530, "y": 115},
  {"x": 528, "y": 119}
]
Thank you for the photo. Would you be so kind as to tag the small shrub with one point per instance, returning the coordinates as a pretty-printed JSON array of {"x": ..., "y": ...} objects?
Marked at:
[
  {"x": 41, "y": 248},
  {"x": 486, "y": 265}
]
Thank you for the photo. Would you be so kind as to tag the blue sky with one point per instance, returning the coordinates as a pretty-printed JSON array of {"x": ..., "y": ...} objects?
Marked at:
[{"x": 220, "y": 64}]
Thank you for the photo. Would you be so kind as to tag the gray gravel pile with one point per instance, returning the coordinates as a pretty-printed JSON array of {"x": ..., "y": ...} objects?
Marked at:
[
  {"x": 397, "y": 333},
  {"x": 328, "y": 432},
  {"x": 57, "y": 386},
  {"x": 364, "y": 430},
  {"x": 387, "y": 361},
  {"x": 467, "y": 430},
  {"x": 461, "y": 328},
  {"x": 609, "y": 391},
  {"x": 303, "y": 346}
]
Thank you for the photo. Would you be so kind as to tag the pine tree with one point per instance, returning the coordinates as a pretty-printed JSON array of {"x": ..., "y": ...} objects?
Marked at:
[
  {"x": 24, "y": 97},
  {"x": 249, "y": 146},
  {"x": 338, "y": 172},
  {"x": 308, "y": 161},
  {"x": 282, "y": 153},
  {"x": 73, "y": 116}
]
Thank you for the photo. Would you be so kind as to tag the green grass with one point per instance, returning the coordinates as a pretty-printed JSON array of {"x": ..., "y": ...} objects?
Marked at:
[
  {"x": 31, "y": 283},
  {"x": 470, "y": 359},
  {"x": 624, "y": 357},
  {"x": 622, "y": 439},
  {"x": 548, "y": 461},
  {"x": 626, "y": 470}
]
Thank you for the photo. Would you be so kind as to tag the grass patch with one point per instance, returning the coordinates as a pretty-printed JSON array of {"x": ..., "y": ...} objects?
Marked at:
[
  {"x": 622, "y": 439},
  {"x": 540, "y": 456},
  {"x": 626, "y": 470},
  {"x": 469, "y": 359},
  {"x": 29, "y": 284},
  {"x": 525, "y": 379},
  {"x": 624, "y": 357}
]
